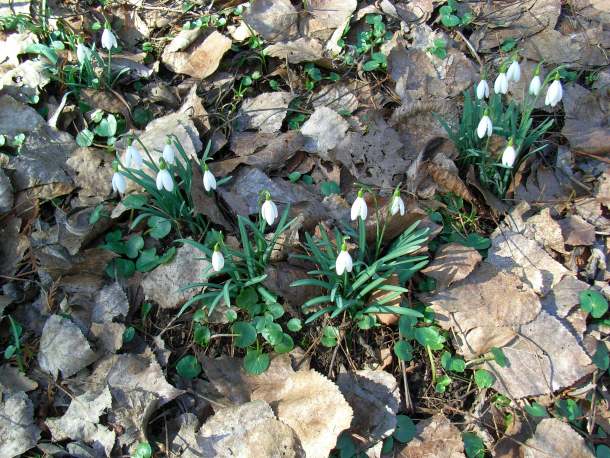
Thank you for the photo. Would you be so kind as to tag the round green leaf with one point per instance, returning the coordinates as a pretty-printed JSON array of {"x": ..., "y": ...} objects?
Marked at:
[
  {"x": 388, "y": 446},
  {"x": 403, "y": 350},
  {"x": 188, "y": 367},
  {"x": 129, "y": 334},
  {"x": 159, "y": 227},
  {"x": 231, "y": 315},
  {"x": 602, "y": 451},
  {"x": 450, "y": 20},
  {"x": 276, "y": 309},
  {"x": 405, "y": 429},
  {"x": 442, "y": 383},
  {"x": 371, "y": 65},
  {"x": 202, "y": 334},
  {"x": 568, "y": 408},
  {"x": 246, "y": 334},
  {"x": 285, "y": 345},
  {"x": 430, "y": 337},
  {"x": 84, "y": 138},
  {"x": 473, "y": 445},
  {"x": 499, "y": 356},
  {"x": 119, "y": 267},
  {"x": 294, "y": 325},
  {"x": 272, "y": 333},
  {"x": 135, "y": 201},
  {"x": 9, "y": 351},
  {"x": 536, "y": 410},
  {"x": 148, "y": 260},
  {"x": 246, "y": 298},
  {"x": 256, "y": 362},
  {"x": 143, "y": 450},
  {"x": 134, "y": 245},
  {"x": 593, "y": 302},
  {"x": 483, "y": 378},
  {"x": 366, "y": 322},
  {"x": 601, "y": 357},
  {"x": 452, "y": 363}
]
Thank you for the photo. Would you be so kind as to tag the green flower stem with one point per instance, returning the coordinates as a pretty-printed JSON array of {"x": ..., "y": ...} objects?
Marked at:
[{"x": 432, "y": 366}]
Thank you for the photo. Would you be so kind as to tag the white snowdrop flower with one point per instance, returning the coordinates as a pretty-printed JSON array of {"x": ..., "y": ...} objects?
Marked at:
[
  {"x": 535, "y": 85},
  {"x": 482, "y": 90},
  {"x": 164, "y": 179},
  {"x": 509, "y": 155},
  {"x": 119, "y": 184},
  {"x": 485, "y": 126},
  {"x": 83, "y": 53},
  {"x": 108, "y": 38},
  {"x": 269, "y": 210},
  {"x": 501, "y": 83},
  {"x": 554, "y": 93},
  {"x": 168, "y": 152},
  {"x": 133, "y": 158},
  {"x": 398, "y": 204},
  {"x": 218, "y": 260},
  {"x": 359, "y": 208},
  {"x": 209, "y": 182},
  {"x": 344, "y": 261},
  {"x": 514, "y": 71}
]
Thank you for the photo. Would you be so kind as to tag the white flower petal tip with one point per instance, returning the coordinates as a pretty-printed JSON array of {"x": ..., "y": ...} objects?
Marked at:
[
  {"x": 501, "y": 84},
  {"x": 82, "y": 53},
  {"x": 343, "y": 263},
  {"x": 169, "y": 155},
  {"x": 133, "y": 158},
  {"x": 119, "y": 184},
  {"x": 398, "y": 206},
  {"x": 218, "y": 261},
  {"x": 514, "y": 72},
  {"x": 164, "y": 180},
  {"x": 535, "y": 86},
  {"x": 554, "y": 93},
  {"x": 269, "y": 212},
  {"x": 509, "y": 156},
  {"x": 482, "y": 90},
  {"x": 485, "y": 127},
  {"x": 359, "y": 208},
  {"x": 209, "y": 182},
  {"x": 109, "y": 40}
]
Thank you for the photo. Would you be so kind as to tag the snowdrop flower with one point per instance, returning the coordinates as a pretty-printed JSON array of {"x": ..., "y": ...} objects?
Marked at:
[
  {"x": 359, "y": 208},
  {"x": 509, "y": 155},
  {"x": 398, "y": 204},
  {"x": 501, "y": 83},
  {"x": 108, "y": 38},
  {"x": 118, "y": 179},
  {"x": 482, "y": 89},
  {"x": 269, "y": 209},
  {"x": 209, "y": 182},
  {"x": 164, "y": 179},
  {"x": 514, "y": 71},
  {"x": 344, "y": 261},
  {"x": 554, "y": 93},
  {"x": 83, "y": 53},
  {"x": 133, "y": 158},
  {"x": 535, "y": 83},
  {"x": 218, "y": 260},
  {"x": 485, "y": 126},
  {"x": 168, "y": 152}
]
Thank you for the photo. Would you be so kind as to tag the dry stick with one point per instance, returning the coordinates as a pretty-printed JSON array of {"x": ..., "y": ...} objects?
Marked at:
[
  {"x": 470, "y": 47},
  {"x": 408, "y": 401},
  {"x": 591, "y": 420}
]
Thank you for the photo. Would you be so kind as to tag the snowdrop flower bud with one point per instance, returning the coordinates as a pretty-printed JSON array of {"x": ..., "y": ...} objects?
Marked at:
[
  {"x": 344, "y": 261},
  {"x": 209, "y": 182},
  {"x": 133, "y": 158},
  {"x": 485, "y": 126},
  {"x": 108, "y": 38},
  {"x": 269, "y": 210},
  {"x": 164, "y": 179},
  {"x": 398, "y": 204},
  {"x": 514, "y": 71},
  {"x": 218, "y": 260},
  {"x": 482, "y": 89},
  {"x": 118, "y": 180},
  {"x": 535, "y": 83},
  {"x": 554, "y": 93},
  {"x": 359, "y": 208},
  {"x": 501, "y": 83},
  {"x": 83, "y": 53},
  {"x": 168, "y": 152},
  {"x": 509, "y": 155}
]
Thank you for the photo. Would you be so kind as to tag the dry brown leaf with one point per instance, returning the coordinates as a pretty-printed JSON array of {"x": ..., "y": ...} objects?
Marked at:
[
  {"x": 204, "y": 203},
  {"x": 274, "y": 20},
  {"x": 449, "y": 181},
  {"x": 555, "y": 438},
  {"x": 325, "y": 16},
  {"x": 452, "y": 262},
  {"x": 435, "y": 437},
  {"x": 323, "y": 131},
  {"x": 577, "y": 231},
  {"x": 294, "y": 52},
  {"x": 264, "y": 112},
  {"x": 279, "y": 278},
  {"x": 93, "y": 172},
  {"x": 17, "y": 427}
]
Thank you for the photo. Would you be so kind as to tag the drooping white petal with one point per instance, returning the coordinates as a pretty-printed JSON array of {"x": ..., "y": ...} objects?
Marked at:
[
  {"x": 82, "y": 53},
  {"x": 108, "y": 39},
  {"x": 535, "y": 85},
  {"x": 169, "y": 155},
  {"x": 482, "y": 90},
  {"x": 269, "y": 212},
  {"x": 554, "y": 93},
  {"x": 218, "y": 261},
  {"x": 343, "y": 263},
  {"x": 359, "y": 209},
  {"x": 159, "y": 181},
  {"x": 514, "y": 72},
  {"x": 209, "y": 182},
  {"x": 398, "y": 205},
  {"x": 168, "y": 182},
  {"x": 133, "y": 158},
  {"x": 509, "y": 156},
  {"x": 485, "y": 127},
  {"x": 501, "y": 84},
  {"x": 118, "y": 182}
]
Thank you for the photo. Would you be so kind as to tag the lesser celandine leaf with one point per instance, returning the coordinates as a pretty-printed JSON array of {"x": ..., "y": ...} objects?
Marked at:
[
  {"x": 593, "y": 302},
  {"x": 442, "y": 383},
  {"x": 405, "y": 429},
  {"x": 473, "y": 445},
  {"x": 536, "y": 410},
  {"x": 483, "y": 378},
  {"x": 188, "y": 367},
  {"x": 246, "y": 334},
  {"x": 256, "y": 362},
  {"x": 294, "y": 325},
  {"x": 601, "y": 357},
  {"x": 403, "y": 350}
]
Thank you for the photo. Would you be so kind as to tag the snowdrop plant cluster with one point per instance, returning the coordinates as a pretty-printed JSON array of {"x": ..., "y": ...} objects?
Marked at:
[
  {"x": 366, "y": 280},
  {"x": 490, "y": 115},
  {"x": 167, "y": 182}
]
